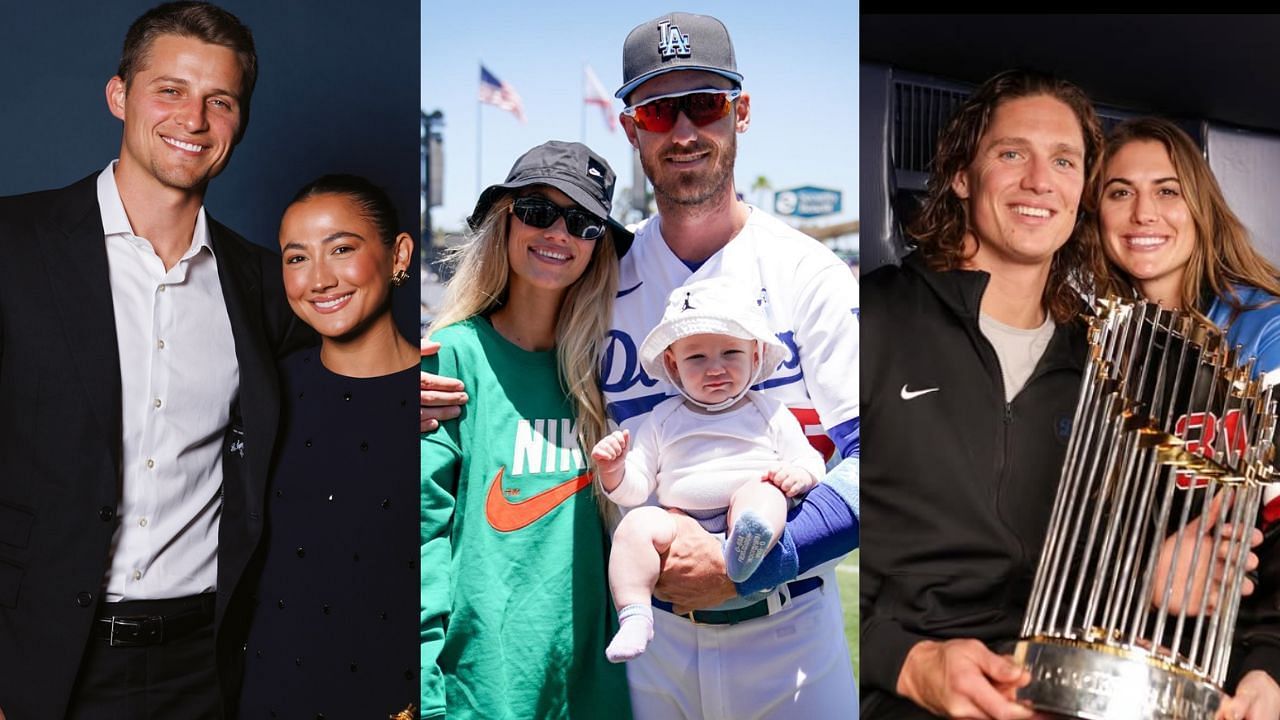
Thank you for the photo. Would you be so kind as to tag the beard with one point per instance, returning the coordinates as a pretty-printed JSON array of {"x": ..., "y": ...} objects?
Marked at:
[{"x": 692, "y": 188}]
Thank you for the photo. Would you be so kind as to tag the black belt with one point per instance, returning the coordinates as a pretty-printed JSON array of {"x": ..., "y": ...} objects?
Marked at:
[
  {"x": 750, "y": 612},
  {"x": 136, "y": 623}
]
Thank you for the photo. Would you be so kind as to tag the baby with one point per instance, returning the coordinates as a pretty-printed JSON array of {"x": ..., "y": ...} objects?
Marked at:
[{"x": 718, "y": 447}]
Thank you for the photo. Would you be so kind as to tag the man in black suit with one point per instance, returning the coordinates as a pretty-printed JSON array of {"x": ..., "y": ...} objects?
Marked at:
[{"x": 138, "y": 399}]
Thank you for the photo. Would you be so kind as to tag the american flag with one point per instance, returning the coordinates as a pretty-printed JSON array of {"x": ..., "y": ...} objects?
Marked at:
[{"x": 496, "y": 92}]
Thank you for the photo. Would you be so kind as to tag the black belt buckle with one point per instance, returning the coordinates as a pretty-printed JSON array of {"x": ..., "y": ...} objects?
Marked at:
[{"x": 134, "y": 630}]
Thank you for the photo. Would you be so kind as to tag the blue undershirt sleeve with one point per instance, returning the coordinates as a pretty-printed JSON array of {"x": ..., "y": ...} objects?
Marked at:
[{"x": 848, "y": 438}]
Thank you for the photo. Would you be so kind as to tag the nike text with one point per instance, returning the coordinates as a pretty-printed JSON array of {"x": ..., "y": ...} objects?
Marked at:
[{"x": 546, "y": 446}]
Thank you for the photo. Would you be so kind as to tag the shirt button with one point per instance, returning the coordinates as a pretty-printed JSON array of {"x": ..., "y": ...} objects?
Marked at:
[
  {"x": 142, "y": 522},
  {"x": 162, "y": 287},
  {"x": 106, "y": 513},
  {"x": 84, "y": 599},
  {"x": 137, "y": 574},
  {"x": 158, "y": 403},
  {"x": 150, "y": 463},
  {"x": 160, "y": 344}
]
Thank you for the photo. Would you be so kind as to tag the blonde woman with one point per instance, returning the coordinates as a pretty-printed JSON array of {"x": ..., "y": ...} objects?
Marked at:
[{"x": 515, "y": 613}]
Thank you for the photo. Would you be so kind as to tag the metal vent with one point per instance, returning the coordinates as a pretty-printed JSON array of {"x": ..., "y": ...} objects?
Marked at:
[{"x": 920, "y": 111}]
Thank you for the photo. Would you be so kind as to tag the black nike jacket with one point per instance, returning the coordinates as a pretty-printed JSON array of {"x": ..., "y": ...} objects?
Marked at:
[{"x": 957, "y": 484}]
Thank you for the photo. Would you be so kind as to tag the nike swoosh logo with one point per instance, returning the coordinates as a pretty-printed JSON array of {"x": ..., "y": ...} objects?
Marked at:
[
  {"x": 628, "y": 291},
  {"x": 506, "y": 516},
  {"x": 913, "y": 394}
]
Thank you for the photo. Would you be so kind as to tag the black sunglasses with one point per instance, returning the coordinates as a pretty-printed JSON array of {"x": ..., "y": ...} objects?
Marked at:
[{"x": 541, "y": 213}]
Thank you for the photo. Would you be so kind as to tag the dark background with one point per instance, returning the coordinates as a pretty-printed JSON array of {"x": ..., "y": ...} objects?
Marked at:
[
  {"x": 337, "y": 92},
  {"x": 1217, "y": 67}
]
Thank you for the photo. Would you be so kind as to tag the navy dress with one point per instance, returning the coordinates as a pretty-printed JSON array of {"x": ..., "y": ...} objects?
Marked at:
[{"x": 334, "y": 631}]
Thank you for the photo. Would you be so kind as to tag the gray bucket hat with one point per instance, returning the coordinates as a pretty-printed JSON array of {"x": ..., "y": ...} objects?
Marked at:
[
  {"x": 573, "y": 169},
  {"x": 676, "y": 41}
]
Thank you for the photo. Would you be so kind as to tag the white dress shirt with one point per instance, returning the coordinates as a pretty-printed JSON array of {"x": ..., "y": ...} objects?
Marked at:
[{"x": 178, "y": 380}]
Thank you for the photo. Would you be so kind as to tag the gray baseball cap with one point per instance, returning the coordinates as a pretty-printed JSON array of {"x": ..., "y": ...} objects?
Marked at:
[
  {"x": 572, "y": 168},
  {"x": 676, "y": 41}
]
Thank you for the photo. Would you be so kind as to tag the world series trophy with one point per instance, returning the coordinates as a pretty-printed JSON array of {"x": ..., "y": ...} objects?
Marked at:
[{"x": 1170, "y": 450}]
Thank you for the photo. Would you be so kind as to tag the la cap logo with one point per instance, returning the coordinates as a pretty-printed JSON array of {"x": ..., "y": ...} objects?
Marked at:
[{"x": 670, "y": 42}]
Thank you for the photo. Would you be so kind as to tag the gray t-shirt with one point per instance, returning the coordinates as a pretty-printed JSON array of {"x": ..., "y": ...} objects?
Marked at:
[{"x": 1018, "y": 349}]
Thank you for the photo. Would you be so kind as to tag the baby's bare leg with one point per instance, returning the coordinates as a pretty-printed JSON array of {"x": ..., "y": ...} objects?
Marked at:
[
  {"x": 757, "y": 514},
  {"x": 634, "y": 564}
]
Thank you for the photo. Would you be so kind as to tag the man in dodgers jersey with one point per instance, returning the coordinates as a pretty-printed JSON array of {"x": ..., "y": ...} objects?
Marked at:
[
  {"x": 772, "y": 646},
  {"x": 783, "y": 655}
]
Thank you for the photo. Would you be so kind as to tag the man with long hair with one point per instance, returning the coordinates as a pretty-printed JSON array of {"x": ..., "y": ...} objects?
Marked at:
[{"x": 971, "y": 388}]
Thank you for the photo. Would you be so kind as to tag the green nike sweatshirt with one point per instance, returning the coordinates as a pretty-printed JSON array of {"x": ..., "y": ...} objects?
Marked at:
[{"x": 515, "y": 601}]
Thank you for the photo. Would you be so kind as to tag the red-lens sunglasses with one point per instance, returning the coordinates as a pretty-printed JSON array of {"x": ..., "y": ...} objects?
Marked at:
[{"x": 702, "y": 107}]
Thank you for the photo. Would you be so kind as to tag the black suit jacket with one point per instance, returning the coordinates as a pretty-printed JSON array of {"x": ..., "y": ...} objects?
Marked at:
[{"x": 60, "y": 437}]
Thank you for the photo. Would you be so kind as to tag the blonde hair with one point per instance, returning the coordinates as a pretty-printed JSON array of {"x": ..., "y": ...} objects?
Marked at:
[
  {"x": 1222, "y": 256},
  {"x": 479, "y": 286}
]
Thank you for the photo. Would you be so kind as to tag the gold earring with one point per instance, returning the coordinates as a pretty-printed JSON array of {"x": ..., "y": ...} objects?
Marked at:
[{"x": 398, "y": 277}]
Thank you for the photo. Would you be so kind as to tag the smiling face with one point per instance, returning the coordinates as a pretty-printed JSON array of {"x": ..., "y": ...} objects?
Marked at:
[
  {"x": 712, "y": 368},
  {"x": 1023, "y": 187},
  {"x": 337, "y": 268},
  {"x": 689, "y": 165},
  {"x": 181, "y": 113},
  {"x": 546, "y": 259},
  {"x": 1147, "y": 228}
]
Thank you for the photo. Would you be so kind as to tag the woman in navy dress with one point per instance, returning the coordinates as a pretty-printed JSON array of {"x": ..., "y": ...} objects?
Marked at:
[{"x": 334, "y": 626}]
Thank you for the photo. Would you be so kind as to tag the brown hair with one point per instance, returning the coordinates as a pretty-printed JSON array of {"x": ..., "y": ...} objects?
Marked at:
[
  {"x": 939, "y": 231},
  {"x": 1222, "y": 256},
  {"x": 202, "y": 21}
]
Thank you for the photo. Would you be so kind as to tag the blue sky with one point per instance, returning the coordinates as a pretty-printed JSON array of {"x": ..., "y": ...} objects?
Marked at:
[{"x": 799, "y": 61}]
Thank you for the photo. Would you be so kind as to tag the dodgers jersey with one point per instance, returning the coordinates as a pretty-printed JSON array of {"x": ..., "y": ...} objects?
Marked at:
[{"x": 808, "y": 295}]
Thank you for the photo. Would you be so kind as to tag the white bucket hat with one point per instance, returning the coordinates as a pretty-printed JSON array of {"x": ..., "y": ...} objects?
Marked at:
[{"x": 714, "y": 306}]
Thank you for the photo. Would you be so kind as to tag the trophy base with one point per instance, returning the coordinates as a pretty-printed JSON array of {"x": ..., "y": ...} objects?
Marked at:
[{"x": 1073, "y": 680}]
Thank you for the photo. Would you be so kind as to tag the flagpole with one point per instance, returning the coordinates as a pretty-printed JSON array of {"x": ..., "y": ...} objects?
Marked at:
[
  {"x": 479, "y": 141},
  {"x": 583, "y": 109}
]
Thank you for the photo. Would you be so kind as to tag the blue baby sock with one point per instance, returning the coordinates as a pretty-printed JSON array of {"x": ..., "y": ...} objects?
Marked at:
[{"x": 746, "y": 545}]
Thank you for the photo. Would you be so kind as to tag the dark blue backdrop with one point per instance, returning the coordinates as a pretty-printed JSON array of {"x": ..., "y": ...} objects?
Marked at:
[{"x": 337, "y": 92}]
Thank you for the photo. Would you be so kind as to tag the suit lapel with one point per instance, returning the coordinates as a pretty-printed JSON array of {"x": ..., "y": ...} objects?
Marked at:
[
  {"x": 257, "y": 411},
  {"x": 240, "y": 275},
  {"x": 75, "y": 258}
]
